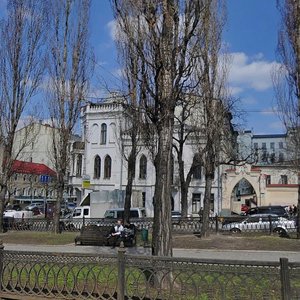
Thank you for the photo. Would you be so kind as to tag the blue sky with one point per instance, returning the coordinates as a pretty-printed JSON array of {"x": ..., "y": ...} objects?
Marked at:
[{"x": 251, "y": 37}]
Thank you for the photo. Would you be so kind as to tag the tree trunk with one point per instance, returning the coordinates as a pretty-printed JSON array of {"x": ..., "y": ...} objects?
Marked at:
[
  {"x": 162, "y": 230},
  {"x": 2, "y": 203},
  {"x": 59, "y": 199},
  {"x": 130, "y": 177},
  {"x": 183, "y": 186},
  {"x": 298, "y": 210},
  {"x": 206, "y": 201}
]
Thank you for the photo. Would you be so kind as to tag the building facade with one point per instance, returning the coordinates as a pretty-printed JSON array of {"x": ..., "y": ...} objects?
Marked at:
[
  {"x": 106, "y": 167},
  {"x": 267, "y": 179}
]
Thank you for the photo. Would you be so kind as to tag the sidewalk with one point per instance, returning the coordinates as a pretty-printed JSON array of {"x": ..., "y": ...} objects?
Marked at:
[{"x": 187, "y": 253}]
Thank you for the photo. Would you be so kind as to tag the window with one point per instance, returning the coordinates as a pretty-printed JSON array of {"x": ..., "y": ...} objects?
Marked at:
[
  {"x": 79, "y": 165},
  {"x": 97, "y": 167},
  {"x": 212, "y": 202},
  {"x": 280, "y": 157},
  {"x": 264, "y": 146},
  {"x": 268, "y": 179},
  {"x": 143, "y": 167},
  {"x": 283, "y": 179},
  {"x": 196, "y": 203},
  {"x": 144, "y": 199},
  {"x": 107, "y": 167},
  {"x": 280, "y": 145},
  {"x": 95, "y": 134},
  {"x": 272, "y": 146},
  {"x": 103, "y": 133},
  {"x": 197, "y": 172},
  {"x": 255, "y": 146}
]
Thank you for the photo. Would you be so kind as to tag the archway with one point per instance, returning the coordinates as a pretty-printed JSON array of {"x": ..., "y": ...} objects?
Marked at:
[{"x": 243, "y": 196}]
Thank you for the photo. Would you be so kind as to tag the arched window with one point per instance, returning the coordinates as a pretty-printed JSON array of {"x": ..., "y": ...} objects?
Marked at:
[
  {"x": 107, "y": 167},
  {"x": 197, "y": 168},
  {"x": 103, "y": 133},
  {"x": 79, "y": 165},
  {"x": 143, "y": 167},
  {"x": 97, "y": 167},
  {"x": 95, "y": 134}
]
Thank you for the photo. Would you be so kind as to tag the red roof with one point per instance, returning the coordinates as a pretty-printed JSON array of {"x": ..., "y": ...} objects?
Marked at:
[{"x": 26, "y": 167}]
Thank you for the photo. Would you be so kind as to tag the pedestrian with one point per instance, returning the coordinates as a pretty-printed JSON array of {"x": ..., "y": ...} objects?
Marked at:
[
  {"x": 295, "y": 210},
  {"x": 115, "y": 234}
]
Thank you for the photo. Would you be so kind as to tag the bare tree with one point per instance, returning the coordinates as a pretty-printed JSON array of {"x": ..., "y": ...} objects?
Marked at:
[
  {"x": 214, "y": 110},
  {"x": 69, "y": 69},
  {"x": 183, "y": 131},
  {"x": 21, "y": 70},
  {"x": 287, "y": 81},
  {"x": 165, "y": 35},
  {"x": 130, "y": 129}
]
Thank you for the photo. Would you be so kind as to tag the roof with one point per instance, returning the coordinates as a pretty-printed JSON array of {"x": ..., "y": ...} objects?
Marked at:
[
  {"x": 26, "y": 167},
  {"x": 267, "y": 136}
]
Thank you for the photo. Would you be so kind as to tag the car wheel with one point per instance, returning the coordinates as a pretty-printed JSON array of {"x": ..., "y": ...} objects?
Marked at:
[
  {"x": 280, "y": 232},
  {"x": 235, "y": 230}
]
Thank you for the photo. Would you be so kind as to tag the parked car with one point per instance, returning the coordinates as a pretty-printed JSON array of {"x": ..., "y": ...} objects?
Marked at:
[
  {"x": 277, "y": 210},
  {"x": 176, "y": 216},
  {"x": 36, "y": 210},
  {"x": 262, "y": 222}
]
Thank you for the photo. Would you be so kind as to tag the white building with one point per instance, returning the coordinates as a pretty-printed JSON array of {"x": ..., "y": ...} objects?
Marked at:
[{"x": 106, "y": 168}]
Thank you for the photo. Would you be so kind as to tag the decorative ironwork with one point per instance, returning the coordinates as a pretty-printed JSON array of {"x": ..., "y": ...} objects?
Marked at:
[{"x": 74, "y": 276}]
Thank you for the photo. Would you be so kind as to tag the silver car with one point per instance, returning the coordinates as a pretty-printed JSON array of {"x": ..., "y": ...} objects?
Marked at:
[{"x": 258, "y": 223}]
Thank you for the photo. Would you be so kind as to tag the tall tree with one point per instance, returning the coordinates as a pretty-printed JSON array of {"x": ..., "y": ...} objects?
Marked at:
[
  {"x": 165, "y": 34},
  {"x": 183, "y": 131},
  {"x": 69, "y": 67},
  {"x": 287, "y": 81},
  {"x": 213, "y": 115},
  {"x": 131, "y": 127},
  {"x": 21, "y": 70}
]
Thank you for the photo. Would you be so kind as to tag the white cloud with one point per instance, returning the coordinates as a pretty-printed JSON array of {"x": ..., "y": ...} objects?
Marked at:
[
  {"x": 251, "y": 73},
  {"x": 249, "y": 100},
  {"x": 112, "y": 27},
  {"x": 235, "y": 90}
]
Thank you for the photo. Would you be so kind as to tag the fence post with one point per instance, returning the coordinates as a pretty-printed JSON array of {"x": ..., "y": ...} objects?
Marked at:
[
  {"x": 217, "y": 223},
  {"x": 121, "y": 272},
  {"x": 1, "y": 263},
  {"x": 285, "y": 279},
  {"x": 271, "y": 224}
]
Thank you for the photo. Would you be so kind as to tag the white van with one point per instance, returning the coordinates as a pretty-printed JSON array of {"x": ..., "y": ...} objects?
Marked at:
[{"x": 118, "y": 213}]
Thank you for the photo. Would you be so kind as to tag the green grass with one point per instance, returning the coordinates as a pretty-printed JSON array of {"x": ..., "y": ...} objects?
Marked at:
[
  {"x": 103, "y": 278},
  {"x": 38, "y": 238}
]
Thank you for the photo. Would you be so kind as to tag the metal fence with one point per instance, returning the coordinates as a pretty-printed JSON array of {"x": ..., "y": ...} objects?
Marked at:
[
  {"x": 39, "y": 275},
  {"x": 239, "y": 224}
]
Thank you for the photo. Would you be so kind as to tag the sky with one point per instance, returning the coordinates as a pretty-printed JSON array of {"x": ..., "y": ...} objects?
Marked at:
[{"x": 251, "y": 38}]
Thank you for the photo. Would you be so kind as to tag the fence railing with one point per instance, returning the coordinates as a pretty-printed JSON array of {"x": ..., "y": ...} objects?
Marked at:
[
  {"x": 27, "y": 275},
  {"x": 239, "y": 224}
]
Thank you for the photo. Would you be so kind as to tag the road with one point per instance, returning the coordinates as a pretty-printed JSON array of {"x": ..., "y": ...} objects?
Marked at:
[{"x": 249, "y": 255}]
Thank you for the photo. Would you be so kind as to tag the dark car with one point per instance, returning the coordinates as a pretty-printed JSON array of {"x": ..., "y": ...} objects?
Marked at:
[{"x": 267, "y": 210}]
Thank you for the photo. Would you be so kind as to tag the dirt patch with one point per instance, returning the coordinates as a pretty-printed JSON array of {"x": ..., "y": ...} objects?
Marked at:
[{"x": 235, "y": 242}]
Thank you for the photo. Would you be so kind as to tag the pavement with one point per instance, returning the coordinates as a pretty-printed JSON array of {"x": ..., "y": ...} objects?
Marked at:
[{"x": 234, "y": 255}]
